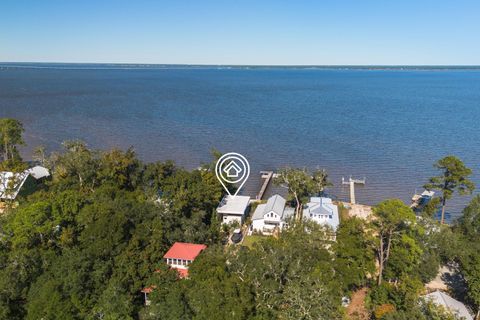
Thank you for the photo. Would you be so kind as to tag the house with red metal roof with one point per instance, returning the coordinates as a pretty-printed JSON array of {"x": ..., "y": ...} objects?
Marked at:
[
  {"x": 178, "y": 257},
  {"x": 182, "y": 254}
]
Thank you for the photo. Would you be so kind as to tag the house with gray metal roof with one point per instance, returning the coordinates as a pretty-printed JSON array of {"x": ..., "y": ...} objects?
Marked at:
[
  {"x": 271, "y": 215},
  {"x": 454, "y": 306},
  {"x": 322, "y": 211}
]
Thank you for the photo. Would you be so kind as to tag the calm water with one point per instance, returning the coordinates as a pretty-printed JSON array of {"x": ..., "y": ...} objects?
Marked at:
[{"x": 387, "y": 125}]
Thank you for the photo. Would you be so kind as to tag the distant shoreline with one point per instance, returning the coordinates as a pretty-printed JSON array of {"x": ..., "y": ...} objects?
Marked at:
[{"x": 82, "y": 66}]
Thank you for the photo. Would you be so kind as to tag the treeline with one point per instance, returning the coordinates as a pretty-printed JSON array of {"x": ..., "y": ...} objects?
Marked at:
[{"x": 94, "y": 234}]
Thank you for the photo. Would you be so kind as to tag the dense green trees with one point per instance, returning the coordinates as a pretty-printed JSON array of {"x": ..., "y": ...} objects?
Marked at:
[
  {"x": 84, "y": 245},
  {"x": 468, "y": 250},
  {"x": 11, "y": 131},
  {"x": 354, "y": 254},
  {"x": 292, "y": 277},
  {"x": 393, "y": 219}
]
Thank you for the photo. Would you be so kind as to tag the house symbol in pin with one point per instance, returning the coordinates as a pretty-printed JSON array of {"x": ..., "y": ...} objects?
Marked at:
[{"x": 232, "y": 170}]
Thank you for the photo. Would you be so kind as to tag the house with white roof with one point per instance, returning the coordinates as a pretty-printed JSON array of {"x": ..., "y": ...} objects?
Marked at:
[
  {"x": 233, "y": 209},
  {"x": 271, "y": 215},
  {"x": 11, "y": 184},
  {"x": 322, "y": 211},
  {"x": 454, "y": 306},
  {"x": 38, "y": 172}
]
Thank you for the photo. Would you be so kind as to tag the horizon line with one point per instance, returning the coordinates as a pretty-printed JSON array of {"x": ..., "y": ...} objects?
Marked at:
[{"x": 243, "y": 65}]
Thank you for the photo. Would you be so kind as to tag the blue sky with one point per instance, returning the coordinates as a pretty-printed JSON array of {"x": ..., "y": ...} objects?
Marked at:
[{"x": 328, "y": 32}]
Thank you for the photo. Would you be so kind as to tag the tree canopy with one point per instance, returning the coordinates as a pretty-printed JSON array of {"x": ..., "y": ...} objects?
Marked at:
[{"x": 454, "y": 177}]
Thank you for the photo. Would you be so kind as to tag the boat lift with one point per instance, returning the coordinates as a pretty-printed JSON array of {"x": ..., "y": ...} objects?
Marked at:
[{"x": 351, "y": 182}]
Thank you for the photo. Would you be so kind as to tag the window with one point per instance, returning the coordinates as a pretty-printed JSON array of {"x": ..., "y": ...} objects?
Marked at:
[{"x": 330, "y": 216}]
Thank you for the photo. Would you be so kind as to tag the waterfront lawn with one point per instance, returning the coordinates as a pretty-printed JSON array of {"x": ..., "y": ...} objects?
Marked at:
[{"x": 250, "y": 240}]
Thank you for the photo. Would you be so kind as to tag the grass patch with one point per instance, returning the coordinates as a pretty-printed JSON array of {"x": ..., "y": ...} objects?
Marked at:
[{"x": 250, "y": 240}]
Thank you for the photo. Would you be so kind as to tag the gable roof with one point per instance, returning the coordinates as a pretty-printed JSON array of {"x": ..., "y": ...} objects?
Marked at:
[
  {"x": 259, "y": 212},
  {"x": 185, "y": 251},
  {"x": 11, "y": 183},
  {"x": 7, "y": 178},
  {"x": 276, "y": 204},
  {"x": 455, "y": 306}
]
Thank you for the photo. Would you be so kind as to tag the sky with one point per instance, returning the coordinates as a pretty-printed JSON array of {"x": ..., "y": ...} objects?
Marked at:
[{"x": 261, "y": 32}]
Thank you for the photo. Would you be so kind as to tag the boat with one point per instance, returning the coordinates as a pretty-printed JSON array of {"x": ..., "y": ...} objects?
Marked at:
[{"x": 419, "y": 201}]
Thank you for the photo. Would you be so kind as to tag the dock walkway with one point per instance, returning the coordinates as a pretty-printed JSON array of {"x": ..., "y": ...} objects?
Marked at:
[{"x": 267, "y": 175}]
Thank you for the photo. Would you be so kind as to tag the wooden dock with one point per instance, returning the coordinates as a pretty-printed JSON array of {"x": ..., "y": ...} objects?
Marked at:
[
  {"x": 352, "y": 182},
  {"x": 267, "y": 175}
]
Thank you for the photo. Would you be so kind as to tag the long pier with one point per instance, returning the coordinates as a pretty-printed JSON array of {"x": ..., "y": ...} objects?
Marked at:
[{"x": 267, "y": 175}]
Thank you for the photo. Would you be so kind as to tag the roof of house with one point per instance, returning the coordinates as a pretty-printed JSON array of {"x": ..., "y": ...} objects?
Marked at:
[
  {"x": 259, "y": 212},
  {"x": 276, "y": 204},
  {"x": 38, "y": 172},
  {"x": 9, "y": 191},
  {"x": 449, "y": 303},
  {"x": 322, "y": 206},
  {"x": 185, "y": 251},
  {"x": 11, "y": 183},
  {"x": 233, "y": 205}
]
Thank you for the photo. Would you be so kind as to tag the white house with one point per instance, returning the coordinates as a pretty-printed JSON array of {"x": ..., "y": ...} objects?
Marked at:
[
  {"x": 233, "y": 208},
  {"x": 11, "y": 183},
  {"x": 322, "y": 211},
  {"x": 454, "y": 306},
  {"x": 271, "y": 215}
]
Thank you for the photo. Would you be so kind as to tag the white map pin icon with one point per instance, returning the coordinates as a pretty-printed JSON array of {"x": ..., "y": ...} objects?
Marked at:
[{"x": 232, "y": 168}]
